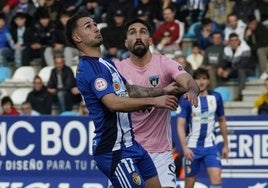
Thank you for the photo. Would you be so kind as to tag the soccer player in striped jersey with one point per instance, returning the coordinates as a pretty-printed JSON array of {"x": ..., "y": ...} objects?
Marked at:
[
  {"x": 196, "y": 133},
  {"x": 108, "y": 98}
]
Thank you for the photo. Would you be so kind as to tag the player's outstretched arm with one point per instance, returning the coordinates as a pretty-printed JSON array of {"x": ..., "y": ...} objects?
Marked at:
[
  {"x": 125, "y": 104},
  {"x": 140, "y": 91}
]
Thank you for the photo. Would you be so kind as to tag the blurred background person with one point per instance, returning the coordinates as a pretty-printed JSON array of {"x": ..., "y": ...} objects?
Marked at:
[
  {"x": 26, "y": 110},
  {"x": 113, "y": 37},
  {"x": 19, "y": 24},
  {"x": 257, "y": 39},
  {"x": 39, "y": 98},
  {"x": 212, "y": 58},
  {"x": 236, "y": 63},
  {"x": 244, "y": 9},
  {"x": 166, "y": 46},
  {"x": 171, "y": 24},
  {"x": 59, "y": 43},
  {"x": 24, "y": 6},
  {"x": 38, "y": 38},
  {"x": 6, "y": 42},
  {"x": 218, "y": 11},
  {"x": 204, "y": 32},
  {"x": 8, "y": 107},
  {"x": 195, "y": 58},
  {"x": 234, "y": 25},
  {"x": 62, "y": 85},
  {"x": 261, "y": 103}
]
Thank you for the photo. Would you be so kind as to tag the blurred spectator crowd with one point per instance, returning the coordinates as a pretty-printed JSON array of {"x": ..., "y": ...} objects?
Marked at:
[{"x": 229, "y": 38}]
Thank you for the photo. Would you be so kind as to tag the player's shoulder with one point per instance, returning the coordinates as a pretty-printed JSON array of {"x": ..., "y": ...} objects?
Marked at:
[
  {"x": 122, "y": 63},
  {"x": 214, "y": 93}
]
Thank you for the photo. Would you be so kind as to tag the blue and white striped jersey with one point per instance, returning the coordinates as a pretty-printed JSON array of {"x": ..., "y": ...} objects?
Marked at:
[
  {"x": 97, "y": 77},
  {"x": 200, "y": 121}
]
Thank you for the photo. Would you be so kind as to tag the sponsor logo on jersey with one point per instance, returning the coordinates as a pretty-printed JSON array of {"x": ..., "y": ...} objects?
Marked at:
[
  {"x": 136, "y": 178},
  {"x": 116, "y": 86},
  {"x": 100, "y": 84},
  {"x": 154, "y": 80}
]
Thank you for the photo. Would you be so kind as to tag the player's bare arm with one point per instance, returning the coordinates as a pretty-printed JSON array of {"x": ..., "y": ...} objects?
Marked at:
[
  {"x": 190, "y": 86},
  {"x": 225, "y": 149},
  {"x": 140, "y": 91},
  {"x": 126, "y": 104}
]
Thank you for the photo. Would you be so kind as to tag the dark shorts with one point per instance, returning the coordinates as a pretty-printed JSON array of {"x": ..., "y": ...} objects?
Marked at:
[
  {"x": 209, "y": 157},
  {"x": 127, "y": 168}
]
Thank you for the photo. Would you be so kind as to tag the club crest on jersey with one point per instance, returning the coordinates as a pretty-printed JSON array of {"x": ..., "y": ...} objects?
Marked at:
[
  {"x": 136, "y": 178},
  {"x": 116, "y": 86},
  {"x": 154, "y": 80},
  {"x": 188, "y": 169},
  {"x": 100, "y": 84}
]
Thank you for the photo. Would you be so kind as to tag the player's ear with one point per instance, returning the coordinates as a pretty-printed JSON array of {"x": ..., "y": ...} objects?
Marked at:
[
  {"x": 76, "y": 38},
  {"x": 150, "y": 41},
  {"x": 126, "y": 43}
]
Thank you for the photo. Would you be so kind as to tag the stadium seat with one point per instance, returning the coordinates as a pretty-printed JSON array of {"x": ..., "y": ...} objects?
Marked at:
[
  {"x": 225, "y": 92},
  {"x": 4, "y": 73},
  {"x": 3, "y": 93},
  {"x": 23, "y": 74},
  {"x": 45, "y": 73},
  {"x": 69, "y": 113},
  {"x": 19, "y": 95}
]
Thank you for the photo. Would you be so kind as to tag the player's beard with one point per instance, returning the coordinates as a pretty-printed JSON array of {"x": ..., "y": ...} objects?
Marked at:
[
  {"x": 140, "y": 50},
  {"x": 98, "y": 44}
]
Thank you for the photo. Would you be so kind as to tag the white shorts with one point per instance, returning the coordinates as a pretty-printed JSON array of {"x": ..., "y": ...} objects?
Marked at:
[{"x": 165, "y": 166}]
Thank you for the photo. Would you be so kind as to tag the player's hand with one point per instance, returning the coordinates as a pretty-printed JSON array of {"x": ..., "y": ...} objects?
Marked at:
[
  {"x": 166, "y": 101},
  {"x": 188, "y": 154},
  {"x": 225, "y": 152},
  {"x": 191, "y": 96},
  {"x": 172, "y": 89}
]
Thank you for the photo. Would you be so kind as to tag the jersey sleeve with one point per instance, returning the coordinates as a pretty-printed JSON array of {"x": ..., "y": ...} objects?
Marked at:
[
  {"x": 92, "y": 79},
  {"x": 101, "y": 85},
  {"x": 172, "y": 67},
  {"x": 185, "y": 109},
  {"x": 220, "y": 106}
]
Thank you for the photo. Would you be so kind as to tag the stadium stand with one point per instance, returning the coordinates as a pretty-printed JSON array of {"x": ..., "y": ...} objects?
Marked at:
[
  {"x": 5, "y": 73},
  {"x": 45, "y": 73},
  {"x": 23, "y": 74},
  {"x": 19, "y": 95},
  {"x": 225, "y": 92}
]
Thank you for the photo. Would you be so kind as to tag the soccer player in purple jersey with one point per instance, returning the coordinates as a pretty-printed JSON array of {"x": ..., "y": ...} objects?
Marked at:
[
  {"x": 109, "y": 99},
  {"x": 196, "y": 133}
]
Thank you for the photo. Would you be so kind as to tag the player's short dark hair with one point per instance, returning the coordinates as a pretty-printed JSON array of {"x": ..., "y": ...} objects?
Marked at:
[
  {"x": 200, "y": 72},
  {"x": 137, "y": 20},
  {"x": 72, "y": 25}
]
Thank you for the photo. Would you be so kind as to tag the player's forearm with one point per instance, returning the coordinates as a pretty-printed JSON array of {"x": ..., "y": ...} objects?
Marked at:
[
  {"x": 181, "y": 133},
  {"x": 223, "y": 128},
  {"x": 187, "y": 82},
  {"x": 139, "y": 91},
  {"x": 125, "y": 104}
]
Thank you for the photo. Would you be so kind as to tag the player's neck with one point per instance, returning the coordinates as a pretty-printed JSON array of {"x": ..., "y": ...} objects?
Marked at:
[
  {"x": 203, "y": 93},
  {"x": 141, "y": 61},
  {"x": 92, "y": 52}
]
